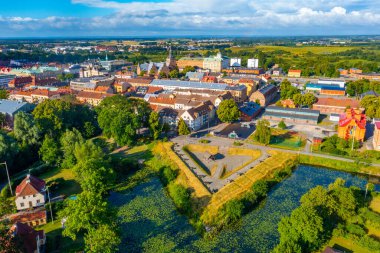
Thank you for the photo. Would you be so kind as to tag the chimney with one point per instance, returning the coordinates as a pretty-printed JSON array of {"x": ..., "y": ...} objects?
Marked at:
[{"x": 28, "y": 178}]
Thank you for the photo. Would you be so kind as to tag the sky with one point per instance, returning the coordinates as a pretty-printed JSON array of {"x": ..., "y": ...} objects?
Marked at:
[{"x": 86, "y": 18}]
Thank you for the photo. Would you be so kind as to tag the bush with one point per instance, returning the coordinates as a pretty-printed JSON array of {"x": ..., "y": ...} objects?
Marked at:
[
  {"x": 369, "y": 243},
  {"x": 231, "y": 212},
  {"x": 181, "y": 197},
  {"x": 204, "y": 141},
  {"x": 260, "y": 188},
  {"x": 356, "y": 229},
  {"x": 5, "y": 192},
  {"x": 282, "y": 125},
  {"x": 238, "y": 143},
  {"x": 167, "y": 175}
]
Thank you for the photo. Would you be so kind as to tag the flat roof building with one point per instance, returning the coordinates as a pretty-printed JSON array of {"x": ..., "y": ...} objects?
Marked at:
[{"x": 291, "y": 115}]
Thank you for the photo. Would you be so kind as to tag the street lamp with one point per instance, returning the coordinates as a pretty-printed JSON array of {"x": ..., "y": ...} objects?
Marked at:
[{"x": 9, "y": 180}]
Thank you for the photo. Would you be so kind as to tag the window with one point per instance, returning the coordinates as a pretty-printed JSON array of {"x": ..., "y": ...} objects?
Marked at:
[
  {"x": 22, "y": 204},
  {"x": 23, "y": 197},
  {"x": 34, "y": 195},
  {"x": 38, "y": 201}
]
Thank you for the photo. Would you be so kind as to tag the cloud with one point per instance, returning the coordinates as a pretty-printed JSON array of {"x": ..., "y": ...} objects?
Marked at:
[{"x": 209, "y": 17}]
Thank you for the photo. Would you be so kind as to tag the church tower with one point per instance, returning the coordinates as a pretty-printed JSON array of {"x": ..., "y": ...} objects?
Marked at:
[{"x": 171, "y": 63}]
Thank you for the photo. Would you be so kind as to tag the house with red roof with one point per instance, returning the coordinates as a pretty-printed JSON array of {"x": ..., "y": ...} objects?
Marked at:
[
  {"x": 32, "y": 240},
  {"x": 352, "y": 125},
  {"x": 30, "y": 193}
]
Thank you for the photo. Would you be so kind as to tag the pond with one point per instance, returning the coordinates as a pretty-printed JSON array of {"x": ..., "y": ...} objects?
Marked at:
[{"x": 150, "y": 222}]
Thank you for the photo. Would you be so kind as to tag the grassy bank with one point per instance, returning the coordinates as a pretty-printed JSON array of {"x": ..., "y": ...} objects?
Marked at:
[
  {"x": 242, "y": 184},
  {"x": 346, "y": 166}
]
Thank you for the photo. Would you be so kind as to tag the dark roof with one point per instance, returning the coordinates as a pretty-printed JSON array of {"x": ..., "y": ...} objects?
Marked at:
[
  {"x": 370, "y": 93},
  {"x": 268, "y": 89},
  {"x": 291, "y": 113}
]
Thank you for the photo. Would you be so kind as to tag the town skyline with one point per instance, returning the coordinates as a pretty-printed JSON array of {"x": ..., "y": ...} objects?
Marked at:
[{"x": 100, "y": 18}]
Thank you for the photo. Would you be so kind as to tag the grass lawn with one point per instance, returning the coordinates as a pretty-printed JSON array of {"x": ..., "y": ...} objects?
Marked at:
[
  {"x": 56, "y": 242},
  {"x": 375, "y": 204},
  {"x": 347, "y": 244},
  {"x": 283, "y": 139},
  {"x": 69, "y": 187}
]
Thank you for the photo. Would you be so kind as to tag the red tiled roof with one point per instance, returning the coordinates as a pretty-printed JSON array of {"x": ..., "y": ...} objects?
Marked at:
[
  {"x": 294, "y": 70},
  {"x": 93, "y": 95},
  {"x": 358, "y": 118},
  {"x": 162, "y": 100},
  {"x": 29, "y": 186},
  {"x": 377, "y": 124},
  {"x": 28, "y": 217},
  {"x": 353, "y": 103}
]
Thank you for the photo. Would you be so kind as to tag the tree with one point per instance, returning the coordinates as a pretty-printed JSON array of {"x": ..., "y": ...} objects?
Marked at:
[
  {"x": 155, "y": 125},
  {"x": 49, "y": 151},
  {"x": 105, "y": 239},
  {"x": 3, "y": 94},
  {"x": 89, "y": 129},
  {"x": 94, "y": 175},
  {"x": 282, "y": 125},
  {"x": 263, "y": 132},
  {"x": 8, "y": 148},
  {"x": 309, "y": 99},
  {"x": 287, "y": 90},
  {"x": 87, "y": 150},
  {"x": 3, "y": 119},
  {"x": 120, "y": 118},
  {"x": 68, "y": 142},
  {"x": 188, "y": 69},
  {"x": 228, "y": 111},
  {"x": 174, "y": 73},
  {"x": 183, "y": 129},
  {"x": 87, "y": 212},
  {"x": 298, "y": 99},
  {"x": 7, "y": 206},
  {"x": 25, "y": 129},
  {"x": 231, "y": 211}
]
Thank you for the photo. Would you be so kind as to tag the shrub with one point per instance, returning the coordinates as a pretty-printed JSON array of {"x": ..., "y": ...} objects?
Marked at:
[
  {"x": 167, "y": 175},
  {"x": 369, "y": 243},
  {"x": 5, "y": 192},
  {"x": 180, "y": 196},
  {"x": 204, "y": 141},
  {"x": 355, "y": 229},
  {"x": 260, "y": 188},
  {"x": 231, "y": 212},
  {"x": 238, "y": 143},
  {"x": 282, "y": 125}
]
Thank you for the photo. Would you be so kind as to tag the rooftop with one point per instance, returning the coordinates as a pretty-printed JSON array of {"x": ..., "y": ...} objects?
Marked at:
[
  {"x": 10, "y": 107},
  {"x": 189, "y": 84}
]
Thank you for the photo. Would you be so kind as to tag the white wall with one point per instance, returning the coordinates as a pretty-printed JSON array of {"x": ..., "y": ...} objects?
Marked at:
[
  {"x": 253, "y": 63},
  {"x": 39, "y": 196}
]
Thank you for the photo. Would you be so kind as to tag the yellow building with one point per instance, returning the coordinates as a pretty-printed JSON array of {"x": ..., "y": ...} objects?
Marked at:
[
  {"x": 352, "y": 125},
  {"x": 294, "y": 73}
]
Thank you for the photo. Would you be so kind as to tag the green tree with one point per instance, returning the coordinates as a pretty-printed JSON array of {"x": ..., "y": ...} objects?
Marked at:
[
  {"x": 88, "y": 211},
  {"x": 174, "y": 73},
  {"x": 298, "y": 99},
  {"x": 282, "y": 125},
  {"x": 50, "y": 151},
  {"x": 105, "y": 239},
  {"x": 309, "y": 99},
  {"x": 263, "y": 132},
  {"x": 188, "y": 69},
  {"x": 231, "y": 212},
  {"x": 3, "y": 94},
  {"x": 25, "y": 129},
  {"x": 3, "y": 120},
  {"x": 183, "y": 129},
  {"x": 68, "y": 142},
  {"x": 155, "y": 125},
  {"x": 121, "y": 118},
  {"x": 87, "y": 150},
  {"x": 8, "y": 148},
  {"x": 228, "y": 111},
  {"x": 94, "y": 175},
  {"x": 7, "y": 206},
  {"x": 89, "y": 129}
]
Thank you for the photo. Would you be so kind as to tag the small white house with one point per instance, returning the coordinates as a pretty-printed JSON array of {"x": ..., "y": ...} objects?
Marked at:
[
  {"x": 30, "y": 193},
  {"x": 334, "y": 117}
]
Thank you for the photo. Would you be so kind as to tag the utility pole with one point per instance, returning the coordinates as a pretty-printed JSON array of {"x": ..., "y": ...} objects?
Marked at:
[
  {"x": 51, "y": 212},
  {"x": 9, "y": 180},
  {"x": 353, "y": 138}
]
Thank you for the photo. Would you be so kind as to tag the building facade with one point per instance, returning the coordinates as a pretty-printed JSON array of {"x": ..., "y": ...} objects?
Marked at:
[
  {"x": 30, "y": 193},
  {"x": 352, "y": 125}
]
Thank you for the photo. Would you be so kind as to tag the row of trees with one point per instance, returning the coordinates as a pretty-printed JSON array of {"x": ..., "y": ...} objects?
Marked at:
[
  {"x": 358, "y": 87},
  {"x": 90, "y": 214}
]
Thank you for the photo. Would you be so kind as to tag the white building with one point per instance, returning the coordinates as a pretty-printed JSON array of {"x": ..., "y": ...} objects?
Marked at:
[
  {"x": 200, "y": 116},
  {"x": 30, "y": 193},
  {"x": 253, "y": 63},
  {"x": 235, "y": 62},
  {"x": 341, "y": 83}
]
